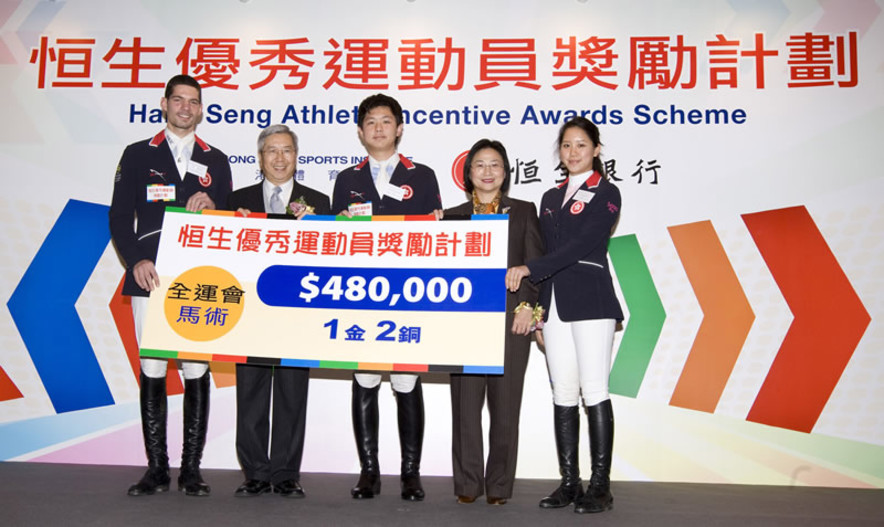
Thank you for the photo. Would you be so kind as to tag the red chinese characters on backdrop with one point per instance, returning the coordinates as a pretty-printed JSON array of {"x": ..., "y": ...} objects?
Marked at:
[
  {"x": 211, "y": 61},
  {"x": 655, "y": 61},
  {"x": 72, "y": 58},
  {"x": 364, "y": 65},
  {"x": 283, "y": 56},
  {"x": 132, "y": 59},
  {"x": 508, "y": 60},
  {"x": 420, "y": 69},
  {"x": 821, "y": 60},
  {"x": 593, "y": 62},
  {"x": 649, "y": 62}
]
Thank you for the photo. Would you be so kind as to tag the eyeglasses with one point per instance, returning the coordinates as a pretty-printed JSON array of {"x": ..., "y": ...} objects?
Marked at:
[
  {"x": 273, "y": 152},
  {"x": 493, "y": 166}
]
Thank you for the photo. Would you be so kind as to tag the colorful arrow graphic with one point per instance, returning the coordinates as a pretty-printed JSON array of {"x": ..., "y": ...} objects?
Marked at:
[
  {"x": 8, "y": 389},
  {"x": 829, "y": 319},
  {"x": 646, "y": 316},
  {"x": 42, "y": 307},
  {"x": 727, "y": 317}
]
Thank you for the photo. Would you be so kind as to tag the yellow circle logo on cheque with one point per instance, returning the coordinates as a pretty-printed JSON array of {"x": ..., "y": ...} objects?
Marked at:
[{"x": 204, "y": 303}]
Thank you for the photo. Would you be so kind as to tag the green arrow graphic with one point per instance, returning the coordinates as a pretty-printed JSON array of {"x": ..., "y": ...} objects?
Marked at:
[{"x": 646, "y": 316}]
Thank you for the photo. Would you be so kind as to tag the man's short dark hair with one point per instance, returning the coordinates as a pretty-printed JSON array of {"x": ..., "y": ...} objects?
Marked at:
[
  {"x": 377, "y": 100},
  {"x": 186, "y": 80}
]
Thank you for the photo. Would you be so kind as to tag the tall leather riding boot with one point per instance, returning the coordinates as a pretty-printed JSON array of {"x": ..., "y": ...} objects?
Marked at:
[
  {"x": 566, "y": 420},
  {"x": 598, "y": 496},
  {"x": 196, "y": 423},
  {"x": 411, "y": 441},
  {"x": 365, "y": 430},
  {"x": 153, "y": 427}
]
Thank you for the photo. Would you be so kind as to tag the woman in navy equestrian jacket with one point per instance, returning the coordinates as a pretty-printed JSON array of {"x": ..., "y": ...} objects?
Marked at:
[{"x": 576, "y": 220}]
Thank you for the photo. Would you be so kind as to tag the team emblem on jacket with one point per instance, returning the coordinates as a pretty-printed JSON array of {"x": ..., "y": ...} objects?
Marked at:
[
  {"x": 408, "y": 192},
  {"x": 206, "y": 180},
  {"x": 577, "y": 207}
]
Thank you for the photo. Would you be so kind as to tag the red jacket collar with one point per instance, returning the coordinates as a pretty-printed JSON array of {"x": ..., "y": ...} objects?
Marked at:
[
  {"x": 160, "y": 137},
  {"x": 204, "y": 145},
  {"x": 402, "y": 159},
  {"x": 406, "y": 162},
  {"x": 593, "y": 180}
]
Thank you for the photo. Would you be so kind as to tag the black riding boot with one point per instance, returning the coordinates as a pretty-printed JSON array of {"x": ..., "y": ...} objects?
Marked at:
[
  {"x": 196, "y": 423},
  {"x": 567, "y": 427},
  {"x": 153, "y": 427},
  {"x": 598, "y": 496},
  {"x": 411, "y": 440},
  {"x": 365, "y": 429}
]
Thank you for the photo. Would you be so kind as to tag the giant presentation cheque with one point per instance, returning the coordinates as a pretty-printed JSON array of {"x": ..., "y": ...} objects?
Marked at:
[{"x": 376, "y": 293}]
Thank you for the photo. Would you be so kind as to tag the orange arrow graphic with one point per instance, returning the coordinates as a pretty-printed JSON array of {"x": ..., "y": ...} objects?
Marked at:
[{"x": 727, "y": 317}]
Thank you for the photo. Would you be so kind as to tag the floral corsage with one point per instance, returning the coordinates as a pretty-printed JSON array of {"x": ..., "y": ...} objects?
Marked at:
[{"x": 299, "y": 205}]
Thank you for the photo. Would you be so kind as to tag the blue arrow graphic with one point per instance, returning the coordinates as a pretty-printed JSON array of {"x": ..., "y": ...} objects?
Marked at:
[{"x": 42, "y": 307}]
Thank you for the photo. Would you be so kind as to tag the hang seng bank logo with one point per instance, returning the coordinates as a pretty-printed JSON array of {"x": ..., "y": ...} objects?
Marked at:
[{"x": 457, "y": 170}]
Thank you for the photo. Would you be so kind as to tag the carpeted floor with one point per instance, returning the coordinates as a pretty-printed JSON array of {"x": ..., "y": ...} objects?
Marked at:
[{"x": 71, "y": 495}]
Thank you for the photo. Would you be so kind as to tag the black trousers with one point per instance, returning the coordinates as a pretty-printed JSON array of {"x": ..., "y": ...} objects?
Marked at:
[{"x": 254, "y": 386}]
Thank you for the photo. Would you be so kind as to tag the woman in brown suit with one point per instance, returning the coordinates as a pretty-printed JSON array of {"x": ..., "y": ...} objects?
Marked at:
[{"x": 486, "y": 178}]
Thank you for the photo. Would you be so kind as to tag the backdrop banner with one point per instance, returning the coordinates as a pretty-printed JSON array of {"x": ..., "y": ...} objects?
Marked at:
[{"x": 748, "y": 257}]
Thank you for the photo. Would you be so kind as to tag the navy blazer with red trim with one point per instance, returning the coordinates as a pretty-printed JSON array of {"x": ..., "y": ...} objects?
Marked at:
[
  {"x": 355, "y": 185},
  {"x": 575, "y": 264},
  {"x": 150, "y": 162}
]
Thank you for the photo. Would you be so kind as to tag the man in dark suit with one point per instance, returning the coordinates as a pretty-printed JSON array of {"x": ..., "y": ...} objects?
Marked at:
[
  {"x": 177, "y": 168},
  {"x": 281, "y": 471}
]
